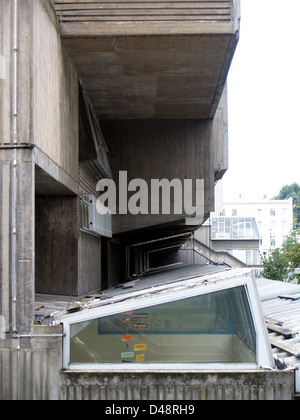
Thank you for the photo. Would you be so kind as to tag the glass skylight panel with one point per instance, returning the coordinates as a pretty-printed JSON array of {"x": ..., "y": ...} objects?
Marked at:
[{"x": 209, "y": 328}]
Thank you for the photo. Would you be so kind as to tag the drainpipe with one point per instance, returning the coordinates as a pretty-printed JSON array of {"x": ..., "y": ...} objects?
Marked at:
[
  {"x": 14, "y": 186},
  {"x": 14, "y": 168}
]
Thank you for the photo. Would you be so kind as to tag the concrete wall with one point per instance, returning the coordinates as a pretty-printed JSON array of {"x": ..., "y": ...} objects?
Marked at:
[
  {"x": 151, "y": 18},
  {"x": 157, "y": 149},
  {"x": 56, "y": 241},
  {"x": 89, "y": 262},
  {"x": 54, "y": 91},
  {"x": 68, "y": 260},
  {"x": 31, "y": 369},
  {"x": 200, "y": 10},
  {"x": 39, "y": 105},
  {"x": 220, "y": 128},
  {"x": 30, "y": 366},
  {"x": 172, "y": 385},
  {"x": 46, "y": 84}
]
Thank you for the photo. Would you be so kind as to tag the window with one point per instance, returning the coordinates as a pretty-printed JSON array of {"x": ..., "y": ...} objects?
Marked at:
[
  {"x": 284, "y": 211},
  {"x": 259, "y": 212},
  {"x": 84, "y": 214},
  {"x": 234, "y": 228},
  {"x": 272, "y": 241},
  {"x": 272, "y": 212},
  {"x": 214, "y": 327},
  {"x": 91, "y": 123},
  {"x": 222, "y": 227},
  {"x": 99, "y": 218},
  {"x": 234, "y": 212}
]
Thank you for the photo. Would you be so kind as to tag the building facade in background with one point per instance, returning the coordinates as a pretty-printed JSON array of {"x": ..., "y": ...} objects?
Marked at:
[{"x": 274, "y": 219}]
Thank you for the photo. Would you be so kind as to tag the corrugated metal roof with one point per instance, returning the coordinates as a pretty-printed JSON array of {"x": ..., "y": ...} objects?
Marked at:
[
  {"x": 281, "y": 307},
  {"x": 161, "y": 283},
  {"x": 49, "y": 305}
]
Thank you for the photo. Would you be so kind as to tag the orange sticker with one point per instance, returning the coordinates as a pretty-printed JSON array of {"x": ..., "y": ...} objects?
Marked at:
[
  {"x": 127, "y": 337},
  {"x": 140, "y": 357}
]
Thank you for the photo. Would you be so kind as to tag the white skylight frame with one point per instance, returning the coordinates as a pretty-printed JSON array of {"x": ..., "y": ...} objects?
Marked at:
[{"x": 150, "y": 298}]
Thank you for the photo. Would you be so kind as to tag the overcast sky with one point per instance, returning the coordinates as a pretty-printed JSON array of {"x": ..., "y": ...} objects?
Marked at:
[{"x": 264, "y": 101}]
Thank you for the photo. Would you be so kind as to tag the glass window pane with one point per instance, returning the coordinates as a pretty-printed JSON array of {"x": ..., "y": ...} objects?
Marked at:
[{"x": 215, "y": 327}]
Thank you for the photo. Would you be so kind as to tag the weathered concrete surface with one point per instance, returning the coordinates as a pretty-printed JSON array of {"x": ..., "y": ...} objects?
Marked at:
[
  {"x": 153, "y": 77},
  {"x": 17, "y": 239},
  {"x": 89, "y": 263},
  {"x": 160, "y": 149},
  {"x": 172, "y": 385},
  {"x": 151, "y": 60},
  {"x": 30, "y": 365},
  {"x": 56, "y": 237},
  {"x": 44, "y": 80}
]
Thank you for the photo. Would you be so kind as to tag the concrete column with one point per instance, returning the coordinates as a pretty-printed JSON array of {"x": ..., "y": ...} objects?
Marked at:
[{"x": 17, "y": 239}]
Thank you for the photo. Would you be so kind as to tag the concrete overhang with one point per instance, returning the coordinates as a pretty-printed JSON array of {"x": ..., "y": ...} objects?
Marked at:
[{"x": 171, "y": 63}]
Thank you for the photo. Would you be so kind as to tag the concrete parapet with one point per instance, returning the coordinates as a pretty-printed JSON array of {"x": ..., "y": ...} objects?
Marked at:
[{"x": 172, "y": 385}]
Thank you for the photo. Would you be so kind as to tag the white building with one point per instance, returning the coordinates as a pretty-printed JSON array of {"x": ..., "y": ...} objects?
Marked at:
[{"x": 274, "y": 219}]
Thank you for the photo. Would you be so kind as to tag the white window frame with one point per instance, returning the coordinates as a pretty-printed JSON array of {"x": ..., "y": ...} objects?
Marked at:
[{"x": 263, "y": 348}]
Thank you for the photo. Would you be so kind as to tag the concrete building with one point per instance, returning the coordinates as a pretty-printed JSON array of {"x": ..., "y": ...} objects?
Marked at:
[
  {"x": 274, "y": 219},
  {"x": 233, "y": 241},
  {"x": 89, "y": 92}
]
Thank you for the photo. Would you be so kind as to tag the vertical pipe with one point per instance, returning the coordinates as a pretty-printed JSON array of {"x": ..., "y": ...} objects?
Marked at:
[
  {"x": 14, "y": 192},
  {"x": 14, "y": 168}
]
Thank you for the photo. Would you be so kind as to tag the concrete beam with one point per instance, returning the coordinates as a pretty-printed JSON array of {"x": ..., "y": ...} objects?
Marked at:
[{"x": 50, "y": 178}]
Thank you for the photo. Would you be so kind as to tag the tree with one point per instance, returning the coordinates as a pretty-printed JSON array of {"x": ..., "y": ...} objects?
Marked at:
[
  {"x": 276, "y": 266},
  {"x": 283, "y": 261},
  {"x": 291, "y": 191},
  {"x": 293, "y": 256},
  {"x": 290, "y": 240}
]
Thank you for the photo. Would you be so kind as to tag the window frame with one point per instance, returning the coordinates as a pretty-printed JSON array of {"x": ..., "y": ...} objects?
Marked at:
[{"x": 263, "y": 349}]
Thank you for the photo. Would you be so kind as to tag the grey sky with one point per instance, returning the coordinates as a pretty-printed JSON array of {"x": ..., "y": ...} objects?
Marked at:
[{"x": 264, "y": 96}]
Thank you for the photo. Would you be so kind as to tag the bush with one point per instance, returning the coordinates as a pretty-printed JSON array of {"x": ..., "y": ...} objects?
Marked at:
[{"x": 276, "y": 266}]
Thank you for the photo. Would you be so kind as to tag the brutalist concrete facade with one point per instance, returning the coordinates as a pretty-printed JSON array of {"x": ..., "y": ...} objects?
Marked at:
[{"x": 153, "y": 73}]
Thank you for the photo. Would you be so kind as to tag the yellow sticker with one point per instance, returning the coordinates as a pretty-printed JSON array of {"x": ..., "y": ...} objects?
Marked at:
[
  {"x": 138, "y": 347},
  {"x": 140, "y": 357}
]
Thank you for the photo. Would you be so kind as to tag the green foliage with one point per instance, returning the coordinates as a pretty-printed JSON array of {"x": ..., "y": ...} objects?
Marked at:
[
  {"x": 283, "y": 261},
  {"x": 291, "y": 191},
  {"x": 276, "y": 266},
  {"x": 293, "y": 256},
  {"x": 290, "y": 240}
]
